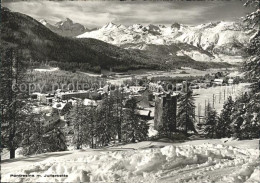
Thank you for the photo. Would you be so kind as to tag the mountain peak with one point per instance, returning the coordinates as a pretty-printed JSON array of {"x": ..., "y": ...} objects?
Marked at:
[
  {"x": 109, "y": 25},
  {"x": 224, "y": 38},
  {"x": 153, "y": 27},
  {"x": 68, "y": 20},
  {"x": 175, "y": 25},
  {"x": 43, "y": 21},
  {"x": 65, "y": 27}
]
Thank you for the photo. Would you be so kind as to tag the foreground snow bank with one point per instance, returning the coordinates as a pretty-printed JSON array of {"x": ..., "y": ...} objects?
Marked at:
[{"x": 175, "y": 163}]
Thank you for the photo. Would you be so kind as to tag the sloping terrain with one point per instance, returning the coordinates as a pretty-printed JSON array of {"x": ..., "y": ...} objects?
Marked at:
[
  {"x": 216, "y": 160},
  {"x": 38, "y": 43},
  {"x": 66, "y": 28},
  {"x": 224, "y": 41}
]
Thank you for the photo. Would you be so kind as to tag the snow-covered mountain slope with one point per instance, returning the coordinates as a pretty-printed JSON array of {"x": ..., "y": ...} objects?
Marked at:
[
  {"x": 66, "y": 28},
  {"x": 223, "y": 40}
]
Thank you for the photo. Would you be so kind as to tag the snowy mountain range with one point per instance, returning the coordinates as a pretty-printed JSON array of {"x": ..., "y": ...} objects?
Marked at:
[
  {"x": 66, "y": 27},
  {"x": 220, "y": 41}
]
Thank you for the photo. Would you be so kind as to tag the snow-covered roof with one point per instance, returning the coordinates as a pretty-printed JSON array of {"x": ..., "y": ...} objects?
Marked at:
[
  {"x": 59, "y": 105},
  {"x": 71, "y": 93},
  {"x": 37, "y": 109},
  {"x": 38, "y": 94},
  {"x": 174, "y": 94},
  {"x": 89, "y": 102},
  {"x": 218, "y": 80},
  {"x": 144, "y": 112},
  {"x": 137, "y": 88}
]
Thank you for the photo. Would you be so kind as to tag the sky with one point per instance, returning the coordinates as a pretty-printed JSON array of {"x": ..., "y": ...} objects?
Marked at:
[{"x": 94, "y": 14}]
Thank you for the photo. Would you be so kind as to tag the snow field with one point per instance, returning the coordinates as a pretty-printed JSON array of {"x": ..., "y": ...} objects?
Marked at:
[{"x": 183, "y": 163}]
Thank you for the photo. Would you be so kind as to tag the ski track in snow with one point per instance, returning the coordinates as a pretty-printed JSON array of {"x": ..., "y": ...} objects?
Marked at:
[{"x": 174, "y": 163}]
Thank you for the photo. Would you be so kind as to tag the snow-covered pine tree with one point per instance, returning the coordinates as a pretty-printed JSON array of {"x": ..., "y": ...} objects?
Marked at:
[
  {"x": 224, "y": 128},
  {"x": 164, "y": 131},
  {"x": 252, "y": 65},
  {"x": 250, "y": 123},
  {"x": 238, "y": 114},
  {"x": 248, "y": 127},
  {"x": 12, "y": 71},
  {"x": 35, "y": 143},
  {"x": 36, "y": 135},
  {"x": 211, "y": 122},
  {"x": 106, "y": 129},
  {"x": 77, "y": 118},
  {"x": 249, "y": 120},
  {"x": 186, "y": 113},
  {"x": 90, "y": 126},
  {"x": 55, "y": 139},
  {"x": 167, "y": 128},
  {"x": 133, "y": 127},
  {"x": 117, "y": 98}
]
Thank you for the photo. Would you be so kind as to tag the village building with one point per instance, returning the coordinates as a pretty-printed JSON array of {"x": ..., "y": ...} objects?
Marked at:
[
  {"x": 145, "y": 114},
  {"x": 89, "y": 103},
  {"x": 50, "y": 118},
  {"x": 49, "y": 99},
  {"x": 155, "y": 87},
  {"x": 41, "y": 97},
  {"x": 61, "y": 107},
  {"x": 218, "y": 82},
  {"x": 136, "y": 89},
  {"x": 208, "y": 82},
  {"x": 71, "y": 94},
  {"x": 178, "y": 86},
  {"x": 230, "y": 81},
  {"x": 94, "y": 95}
]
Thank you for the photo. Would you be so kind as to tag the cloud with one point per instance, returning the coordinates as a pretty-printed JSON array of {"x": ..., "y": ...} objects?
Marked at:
[{"x": 97, "y": 13}]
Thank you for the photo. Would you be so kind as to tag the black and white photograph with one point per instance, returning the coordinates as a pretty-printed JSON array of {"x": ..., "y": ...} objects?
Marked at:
[{"x": 130, "y": 91}]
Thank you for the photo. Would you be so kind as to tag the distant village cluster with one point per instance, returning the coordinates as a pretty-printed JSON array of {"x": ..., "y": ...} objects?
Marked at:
[
  {"x": 154, "y": 99},
  {"x": 60, "y": 102}
]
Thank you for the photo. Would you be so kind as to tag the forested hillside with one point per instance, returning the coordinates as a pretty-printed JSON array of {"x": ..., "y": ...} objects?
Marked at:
[{"x": 39, "y": 44}]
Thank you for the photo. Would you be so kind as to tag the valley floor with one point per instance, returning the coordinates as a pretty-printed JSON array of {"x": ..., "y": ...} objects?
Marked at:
[{"x": 198, "y": 161}]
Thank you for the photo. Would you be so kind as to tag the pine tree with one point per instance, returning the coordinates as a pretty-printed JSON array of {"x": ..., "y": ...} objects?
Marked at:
[
  {"x": 250, "y": 126},
  {"x": 210, "y": 122},
  {"x": 55, "y": 139},
  {"x": 252, "y": 65},
  {"x": 77, "y": 117},
  {"x": 246, "y": 122},
  {"x": 186, "y": 112},
  {"x": 90, "y": 126},
  {"x": 133, "y": 127},
  {"x": 106, "y": 128},
  {"x": 224, "y": 128},
  {"x": 169, "y": 119},
  {"x": 36, "y": 136},
  {"x": 239, "y": 114},
  {"x": 119, "y": 113},
  {"x": 11, "y": 98}
]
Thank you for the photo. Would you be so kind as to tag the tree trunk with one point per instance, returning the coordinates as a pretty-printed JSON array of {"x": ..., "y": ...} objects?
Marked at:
[
  {"x": 92, "y": 142},
  {"x": 133, "y": 139},
  {"x": 119, "y": 132},
  {"x": 12, "y": 153},
  {"x": 78, "y": 146}
]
